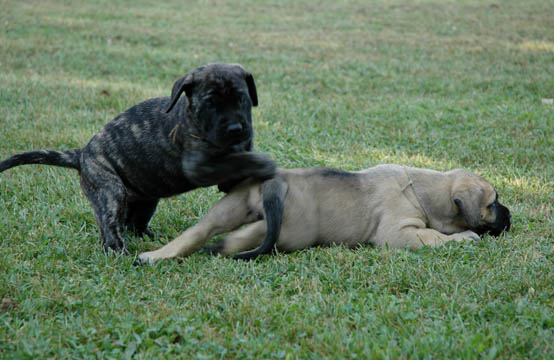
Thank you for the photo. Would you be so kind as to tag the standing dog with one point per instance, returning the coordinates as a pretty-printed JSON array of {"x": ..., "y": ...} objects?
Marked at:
[
  {"x": 387, "y": 205},
  {"x": 165, "y": 146}
]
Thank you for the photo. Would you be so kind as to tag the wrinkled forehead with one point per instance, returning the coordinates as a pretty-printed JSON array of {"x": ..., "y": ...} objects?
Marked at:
[
  {"x": 223, "y": 91},
  {"x": 221, "y": 79},
  {"x": 476, "y": 183},
  {"x": 220, "y": 72},
  {"x": 489, "y": 193}
]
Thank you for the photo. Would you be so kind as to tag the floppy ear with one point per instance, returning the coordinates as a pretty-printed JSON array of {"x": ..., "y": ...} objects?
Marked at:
[
  {"x": 468, "y": 199},
  {"x": 249, "y": 79},
  {"x": 184, "y": 84},
  {"x": 251, "y": 88}
]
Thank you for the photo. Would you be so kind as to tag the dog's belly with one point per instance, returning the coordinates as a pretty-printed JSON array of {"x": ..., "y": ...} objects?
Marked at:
[
  {"x": 161, "y": 185},
  {"x": 312, "y": 228},
  {"x": 142, "y": 176},
  {"x": 323, "y": 214},
  {"x": 156, "y": 179},
  {"x": 349, "y": 229}
]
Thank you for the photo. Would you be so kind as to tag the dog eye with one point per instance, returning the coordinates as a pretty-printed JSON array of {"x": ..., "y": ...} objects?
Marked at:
[{"x": 491, "y": 205}]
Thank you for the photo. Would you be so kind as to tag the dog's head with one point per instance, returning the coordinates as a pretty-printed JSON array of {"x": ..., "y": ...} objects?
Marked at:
[
  {"x": 477, "y": 202},
  {"x": 220, "y": 100}
]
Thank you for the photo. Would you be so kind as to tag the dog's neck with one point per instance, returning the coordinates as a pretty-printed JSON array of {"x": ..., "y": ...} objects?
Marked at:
[
  {"x": 413, "y": 196},
  {"x": 428, "y": 188},
  {"x": 178, "y": 132}
]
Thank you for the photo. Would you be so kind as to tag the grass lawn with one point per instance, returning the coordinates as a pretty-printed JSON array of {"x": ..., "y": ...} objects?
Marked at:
[{"x": 348, "y": 84}]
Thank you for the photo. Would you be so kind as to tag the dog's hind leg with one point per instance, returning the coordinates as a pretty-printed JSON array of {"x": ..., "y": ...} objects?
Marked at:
[
  {"x": 139, "y": 214},
  {"x": 231, "y": 212},
  {"x": 106, "y": 193},
  {"x": 244, "y": 239}
]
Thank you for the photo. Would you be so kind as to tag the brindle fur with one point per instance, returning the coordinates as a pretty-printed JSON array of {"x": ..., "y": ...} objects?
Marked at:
[{"x": 165, "y": 146}]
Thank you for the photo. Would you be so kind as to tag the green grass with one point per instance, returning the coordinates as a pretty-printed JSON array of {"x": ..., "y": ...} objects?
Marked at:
[{"x": 348, "y": 84}]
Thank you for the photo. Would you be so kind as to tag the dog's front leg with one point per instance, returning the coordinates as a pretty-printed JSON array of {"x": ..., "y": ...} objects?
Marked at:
[
  {"x": 413, "y": 234},
  {"x": 227, "y": 186},
  {"x": 206, "y": 171},
  {"x": 430, "y": 237},
  {"x": 139, "y": 214},
  {"x": 228, "y": 214}
]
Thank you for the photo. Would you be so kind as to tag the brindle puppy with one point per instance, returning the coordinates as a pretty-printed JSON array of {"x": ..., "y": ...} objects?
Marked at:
[{"x": 165, "y": 146}]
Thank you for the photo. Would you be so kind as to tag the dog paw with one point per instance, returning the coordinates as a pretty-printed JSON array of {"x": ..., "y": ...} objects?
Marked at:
[
  {"x": 117, "y": 248},
  {"x": 138, "y": 262},
  {"x": 213, "y": 250},
  {"x": 142, "y": 260},
  {"x": 226, "y": 187},
  {"x": 262, "y": 164},
  {"x": 470, "y": 236},
  {"x": 147, "y": 233}
]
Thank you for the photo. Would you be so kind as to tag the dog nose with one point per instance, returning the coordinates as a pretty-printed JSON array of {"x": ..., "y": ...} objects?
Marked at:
[{"x": 234, "y": 129}]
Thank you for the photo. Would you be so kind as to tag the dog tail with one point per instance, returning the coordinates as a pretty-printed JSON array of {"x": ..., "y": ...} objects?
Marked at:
[
  {"x": 68, "y": 159},
  {"x": 274, "y": 192}
]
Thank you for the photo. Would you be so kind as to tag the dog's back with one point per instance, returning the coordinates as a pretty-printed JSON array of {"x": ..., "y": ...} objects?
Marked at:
[
  {"x": 144, "y": 146},
  {"x": 316, "y": 206},
  {"x": 327, "y": 206}
]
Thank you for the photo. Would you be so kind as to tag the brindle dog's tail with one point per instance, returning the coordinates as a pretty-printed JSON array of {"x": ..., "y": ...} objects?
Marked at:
[
  {"x": 274, "y": 192},
  {"x": 68, "y": 159}
]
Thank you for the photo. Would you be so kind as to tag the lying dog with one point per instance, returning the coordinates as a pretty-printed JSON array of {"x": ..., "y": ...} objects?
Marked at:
[
  {"x": 151, "y": 151},
  {"x": 387, "y": 205}
]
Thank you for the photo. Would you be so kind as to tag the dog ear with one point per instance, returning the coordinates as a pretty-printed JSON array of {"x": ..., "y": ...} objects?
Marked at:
[
  {"x": 184, "y": 84},
  {"x": 251, "y": 88},
  {"x": 468, "y": 199},
  {"x": 249, "y": 79}
]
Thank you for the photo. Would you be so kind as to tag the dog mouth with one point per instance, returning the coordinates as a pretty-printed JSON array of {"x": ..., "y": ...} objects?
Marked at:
[
  {"x": 502, "y": 223},
  {"x": 238, "y": 143},
  {"x": 234, "y": 139},
  {"x": 240, "y": 139},
  {"x": 239, "y": 146},
  {"x": 482, "y": 230}
]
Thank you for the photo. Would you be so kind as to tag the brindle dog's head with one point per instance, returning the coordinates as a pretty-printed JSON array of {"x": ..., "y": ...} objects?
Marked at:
[
  {"x": 478, "y": 203},
  {"x": 220, "y": 99}
]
